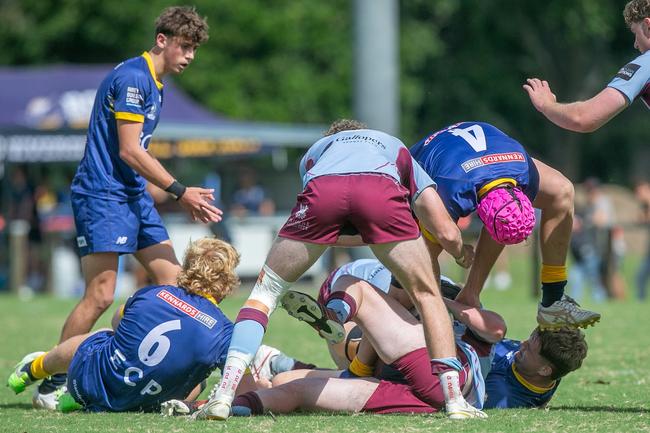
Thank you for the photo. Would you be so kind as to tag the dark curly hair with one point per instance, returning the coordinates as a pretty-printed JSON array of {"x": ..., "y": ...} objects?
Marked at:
[
  {"x": 564, "y": 348},
  {"x": 183, "y": 22}
]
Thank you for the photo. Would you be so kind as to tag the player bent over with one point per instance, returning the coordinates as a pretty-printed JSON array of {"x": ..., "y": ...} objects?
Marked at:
[
  {"x": 166, "y": 340},
  {"x": 363, "y": 181},
  {"x": 479, "y": 168}
]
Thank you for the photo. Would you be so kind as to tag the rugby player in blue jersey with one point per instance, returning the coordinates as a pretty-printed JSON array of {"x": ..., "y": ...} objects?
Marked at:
[
  {"x": 166, "y": 340},
  {"x": 479, "y": 168},
  {"x": 114, "y": 214},
  {"x": 631, "y": 82}
]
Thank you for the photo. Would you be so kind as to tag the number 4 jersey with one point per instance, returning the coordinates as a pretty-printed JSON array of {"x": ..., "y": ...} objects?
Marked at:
[
  {"x": 467, "y": 156},
  {"x": 167, "y": 342}
]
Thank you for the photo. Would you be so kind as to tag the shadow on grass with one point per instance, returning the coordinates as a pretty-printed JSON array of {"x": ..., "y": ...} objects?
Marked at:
[
  {"x": 16, "y": 406},
  {"x": 612, "y": 409}
]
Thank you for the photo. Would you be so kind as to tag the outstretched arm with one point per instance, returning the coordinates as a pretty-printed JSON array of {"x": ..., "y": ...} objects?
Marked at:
[
  {"x": 195, "y": 200},
  {"x": 582, "y": 116}
]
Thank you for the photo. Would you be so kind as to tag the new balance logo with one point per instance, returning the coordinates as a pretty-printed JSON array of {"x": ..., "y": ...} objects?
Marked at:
[{"x": 121, "y": 240}]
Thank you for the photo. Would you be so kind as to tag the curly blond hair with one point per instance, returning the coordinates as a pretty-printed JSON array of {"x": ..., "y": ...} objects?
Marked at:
[
  {"x": 209, "y": 268},
  {"x": 183, "y": 22},
  {"x": 341, "y": 125},
  {"x": 635, "y": 11}
]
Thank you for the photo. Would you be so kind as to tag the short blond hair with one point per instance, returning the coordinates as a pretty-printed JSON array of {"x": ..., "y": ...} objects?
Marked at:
[
  {"x": 341, "y": 125},
  {"x": 183, "y": 22},
  {"x": 209, "y": 268},
  {"x": 635, "y": 11}
]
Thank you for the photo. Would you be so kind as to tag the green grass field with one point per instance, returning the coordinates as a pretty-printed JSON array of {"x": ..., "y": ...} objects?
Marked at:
[{"x": 609, "y": 394}]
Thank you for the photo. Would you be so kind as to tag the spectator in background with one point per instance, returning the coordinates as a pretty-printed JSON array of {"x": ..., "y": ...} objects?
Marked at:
[
  {"x": 586, "y": 263},
  {"x": 642, "y": 192},
  {"x": 594, "y": 236},
  {"x": 22, "y": 206},
  {"x": 250, "y": 198}
]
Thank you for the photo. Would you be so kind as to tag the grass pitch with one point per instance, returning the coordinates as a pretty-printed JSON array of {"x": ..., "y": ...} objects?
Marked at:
[{"x": 611, "y": 392}]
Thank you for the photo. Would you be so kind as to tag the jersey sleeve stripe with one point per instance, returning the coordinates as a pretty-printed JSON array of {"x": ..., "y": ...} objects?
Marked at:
[{"x": 124, "y": 115}]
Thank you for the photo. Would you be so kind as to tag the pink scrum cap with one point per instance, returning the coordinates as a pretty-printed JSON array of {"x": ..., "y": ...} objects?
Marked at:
[{"x": 507, "y": 214}]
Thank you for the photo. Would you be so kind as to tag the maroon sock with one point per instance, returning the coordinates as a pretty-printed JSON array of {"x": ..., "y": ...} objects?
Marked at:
[{"x": 250, "y": 400}]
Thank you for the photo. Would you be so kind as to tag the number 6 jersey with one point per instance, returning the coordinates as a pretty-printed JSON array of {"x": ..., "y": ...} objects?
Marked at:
[
  {"x": 468, "y": 156},
  {"x": 167, "y": 342}
]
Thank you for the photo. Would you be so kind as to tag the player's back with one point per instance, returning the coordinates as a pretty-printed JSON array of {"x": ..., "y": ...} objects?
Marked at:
[
  {"x": 466, "y": 156},
  {"x": 356, "y": 151},
  {"x": 167, "y": 342}
]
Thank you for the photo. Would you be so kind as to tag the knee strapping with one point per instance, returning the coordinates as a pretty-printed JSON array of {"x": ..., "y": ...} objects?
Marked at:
[{"x": 269, "y": 288}]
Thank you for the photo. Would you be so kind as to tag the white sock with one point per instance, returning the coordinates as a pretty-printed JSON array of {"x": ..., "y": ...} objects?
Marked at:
[
  {"x": 233, "y": 372},
  {"x": 450, "y": 383}
]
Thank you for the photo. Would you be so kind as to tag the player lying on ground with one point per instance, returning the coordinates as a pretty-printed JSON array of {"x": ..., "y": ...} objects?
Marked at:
[
  {"x": 365, "y": 182},
  {"x": 518, "y": 374},
  {"x": 479, "y": 168},
  {"x": 631, "y": 82},
  {"x": 167, "y": 340}
]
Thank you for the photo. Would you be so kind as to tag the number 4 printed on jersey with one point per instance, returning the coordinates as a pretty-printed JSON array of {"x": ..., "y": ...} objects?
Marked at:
[{"x": 473, "y": 135}]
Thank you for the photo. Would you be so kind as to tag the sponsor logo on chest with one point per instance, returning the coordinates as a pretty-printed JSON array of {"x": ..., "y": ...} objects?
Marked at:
[
  {"x": 193, "y": 312},
  {"x": 495, "y": 158}
]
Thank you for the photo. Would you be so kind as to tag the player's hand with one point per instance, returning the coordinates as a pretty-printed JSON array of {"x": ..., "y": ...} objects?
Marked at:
[
  {"x": 540, "y": 94},
  {"x": 467, "y": 258},
  {"x": 197, "y": 202},
  {"x": 468, "y": 297}
]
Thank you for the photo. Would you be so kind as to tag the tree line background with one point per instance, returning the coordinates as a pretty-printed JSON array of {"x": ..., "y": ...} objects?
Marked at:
[{"x": 291, "y": 61}]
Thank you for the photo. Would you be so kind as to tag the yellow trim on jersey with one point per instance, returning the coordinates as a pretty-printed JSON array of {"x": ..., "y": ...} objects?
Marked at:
[
  {"x": 553, "y": 274},
  {"x": 427, "y": 234},
  {"x": 125, "y": 115},
  {"x": 121, "y": 310},
  {"x": 530, "y": 386},
  {"x": 488, "y": 186},
  {"x": 147, "y": 57}
]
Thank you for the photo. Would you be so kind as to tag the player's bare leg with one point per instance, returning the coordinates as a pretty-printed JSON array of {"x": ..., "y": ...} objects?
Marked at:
[
  {"x": 311, "y": 394},
  {"x": 100, "y": 272},
  {"x": 555, "y": 198},
  {"x": 411, "y": 264},
  {"x": 160, "y": 262},
  {"x": 287, "y": 261}
]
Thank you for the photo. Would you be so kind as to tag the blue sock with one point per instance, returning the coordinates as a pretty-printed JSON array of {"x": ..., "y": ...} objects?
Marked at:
[
  {"x": 247, "y": 337},
  {"x": 341, "y": 308}
]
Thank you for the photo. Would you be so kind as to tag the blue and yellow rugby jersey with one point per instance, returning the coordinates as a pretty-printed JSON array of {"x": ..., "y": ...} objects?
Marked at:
[
  {"x": 130, "y": 92},
  {"x": 167, "y": 342},
  {"x": 467, "y": 157},
  {"x": 506, "y": 388}
]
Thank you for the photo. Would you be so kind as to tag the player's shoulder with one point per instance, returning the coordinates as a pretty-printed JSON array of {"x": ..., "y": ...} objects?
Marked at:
[
  {"x": 131, "y": 69},
  {"x": 640, "y": 65}
]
